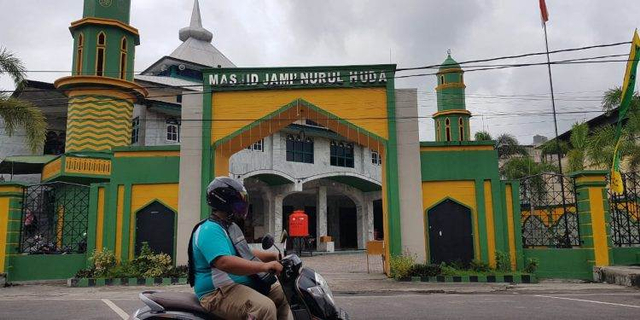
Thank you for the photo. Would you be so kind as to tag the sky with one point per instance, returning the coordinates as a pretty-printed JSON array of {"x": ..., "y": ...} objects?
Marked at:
[{"x": 408, "y": 33}]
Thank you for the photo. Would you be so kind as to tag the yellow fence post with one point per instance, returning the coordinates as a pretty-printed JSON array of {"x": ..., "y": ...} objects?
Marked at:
[
  {"x": 10, "y": 221},
  {"x": 594, "y": 216}
]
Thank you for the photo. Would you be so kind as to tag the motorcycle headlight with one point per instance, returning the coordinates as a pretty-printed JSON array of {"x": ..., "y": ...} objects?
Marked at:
[{"x": 321, "y": 289}]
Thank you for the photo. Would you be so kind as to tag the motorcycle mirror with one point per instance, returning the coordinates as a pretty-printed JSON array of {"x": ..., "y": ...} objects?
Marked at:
[{"x": 267, "y": 242}]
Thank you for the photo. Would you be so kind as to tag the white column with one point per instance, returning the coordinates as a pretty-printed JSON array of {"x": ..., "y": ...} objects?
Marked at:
[
  {"x": 277, "y": 215},
  {"x": 321, "y": 213},
  {"x": 369, "y": 220},
  {"x": 360, "y": 225}
]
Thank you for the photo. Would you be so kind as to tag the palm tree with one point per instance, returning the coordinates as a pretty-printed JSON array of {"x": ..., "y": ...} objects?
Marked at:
[
  {"x": 18, "y": 113},
  {"x": 612, "y": 98},
  {"x": 579, "y": 141},
  {"x": 508, "y": 146},
  {"x": 483, "y": 136}
]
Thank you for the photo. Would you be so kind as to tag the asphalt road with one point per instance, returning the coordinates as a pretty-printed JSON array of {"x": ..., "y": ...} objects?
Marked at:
[{"x": 397, "y": 306}]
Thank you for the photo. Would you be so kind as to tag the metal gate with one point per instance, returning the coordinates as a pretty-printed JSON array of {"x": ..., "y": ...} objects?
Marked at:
[
  {"x": 625, "y": 214},
  {"x": 548, "y": 211},
  {"x": 55, "y": 217}
]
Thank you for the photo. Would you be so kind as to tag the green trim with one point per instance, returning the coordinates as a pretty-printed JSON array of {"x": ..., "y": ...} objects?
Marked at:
[
  {"x": 93, "y": 218},
  {"x": 501, "y": 233},
  {"x": 175, "y": 225},
  {"x": 482, "y": 220},
  {"x": 294, "y": 103},
  {"x": 297, "y": 84},
  {"x": 207, "y": 149},
  {"x": 126, "y": 225},
  {"x": 146, "y": 148},
  {"x": 97, "y": 96},
  {"x": 391, "y": 167},
  {"x": 517, "y": 223},
  {"x": 455, "y": 143}
]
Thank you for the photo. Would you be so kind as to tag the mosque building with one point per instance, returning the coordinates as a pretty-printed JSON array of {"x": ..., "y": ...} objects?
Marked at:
[{"x": 128, "y": 156}]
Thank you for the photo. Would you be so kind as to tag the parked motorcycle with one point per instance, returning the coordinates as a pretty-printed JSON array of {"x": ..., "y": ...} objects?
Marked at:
[{"x": 306, "y": 291}]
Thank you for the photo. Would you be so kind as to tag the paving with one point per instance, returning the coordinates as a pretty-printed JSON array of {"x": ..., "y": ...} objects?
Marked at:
[{"x": 364, "y": 296}]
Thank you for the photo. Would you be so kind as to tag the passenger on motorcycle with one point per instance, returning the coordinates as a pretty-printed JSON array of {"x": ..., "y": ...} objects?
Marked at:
[{"x": 224, "y": 281}]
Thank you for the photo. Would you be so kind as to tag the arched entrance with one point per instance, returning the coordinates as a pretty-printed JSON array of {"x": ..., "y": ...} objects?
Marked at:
[
  {"x": 450, "y": 235},
  {"x": 155, "y": 224}
]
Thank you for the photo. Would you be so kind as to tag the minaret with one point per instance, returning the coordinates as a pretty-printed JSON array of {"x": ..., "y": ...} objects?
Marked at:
[
  {"x": 101, "y": 90},
  {"x": 452, "y": 118},
  {"x": 195, "y": 29}
]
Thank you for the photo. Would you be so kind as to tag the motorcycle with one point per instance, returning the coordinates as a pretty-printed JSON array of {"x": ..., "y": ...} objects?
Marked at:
[{"x": 306, "y": 291}]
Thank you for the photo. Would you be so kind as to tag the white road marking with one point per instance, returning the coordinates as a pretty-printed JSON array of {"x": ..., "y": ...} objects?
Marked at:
[
  {"x": 116, "y": 309},
  {"x": 590, "y": 301}
]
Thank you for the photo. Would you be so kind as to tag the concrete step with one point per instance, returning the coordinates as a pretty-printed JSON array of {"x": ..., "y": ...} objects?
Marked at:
[{"x": 621, "y": 275}]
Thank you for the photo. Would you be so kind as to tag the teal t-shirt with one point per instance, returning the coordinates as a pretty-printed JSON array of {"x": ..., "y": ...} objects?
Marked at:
[{"x": 211, "y": 241}]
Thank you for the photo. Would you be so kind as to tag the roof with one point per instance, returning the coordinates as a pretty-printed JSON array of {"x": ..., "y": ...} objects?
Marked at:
[
  {"x": 449, "y": 63},
  {"x": 24, "y": 164},
  {"x": 607, "y": 118},
  {"x": 171, "y": 82},
  {"x": 196, "y": 47}
]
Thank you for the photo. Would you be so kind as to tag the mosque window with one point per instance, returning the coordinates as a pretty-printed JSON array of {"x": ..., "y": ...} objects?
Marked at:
[
  {"x": 299, "y": 148},
  {"x": 79, "y": 54},
  {"x": 257, "y": 146},
  {"x": 447, "y": 129},
  {"x": 376, "y": 158},
  {"x": 442, "y": 79},
  {"x": 123, "y": 58},
  {"x": 100, "y": 51},
  {"x": 341, "y": 154},
  {"x": 173, "y": 132},
  {"x": 461, "y": 128},
  {"x": 438, "y": 130},
  {"x": 135, "y": 129}
]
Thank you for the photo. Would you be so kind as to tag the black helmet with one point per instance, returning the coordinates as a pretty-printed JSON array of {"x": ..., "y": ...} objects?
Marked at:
[{"x": 229, "y": 196}]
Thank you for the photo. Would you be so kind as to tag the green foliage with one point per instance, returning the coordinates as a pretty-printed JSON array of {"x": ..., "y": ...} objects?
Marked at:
[
  {"x": 103, "y": 261},
  {"x": 612, "y": 98},
  {"x": 146, "y": 265},
  {"x": 532, "y": 265},
  {"x": 18, "y": 113},
  {"x": 447, "y": 270},
  {"x": 425, "y": 270},
  {"x": 479, "y": 266},
  {"x": 482, "y": 136},
  {"x": 520, "y": 167},
  {"x": 150, "y": 265},
  {"x": 552, "y": 147},
  {"x": 401, "y": 265},
  {"x": 508, "y": 146},
  {"x": 579, "y": 142},
  {"x": 503, "y": 262}
]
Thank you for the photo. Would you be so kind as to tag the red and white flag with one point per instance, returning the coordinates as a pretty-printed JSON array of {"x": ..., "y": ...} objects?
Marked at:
[{"x": 543, "y": 11}]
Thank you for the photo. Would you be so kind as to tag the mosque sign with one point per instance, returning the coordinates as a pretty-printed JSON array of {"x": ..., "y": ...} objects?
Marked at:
[{"x": 251, "y": 78}]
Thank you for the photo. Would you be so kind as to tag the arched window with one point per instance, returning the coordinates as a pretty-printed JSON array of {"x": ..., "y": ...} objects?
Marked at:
[
  {"x": 100, "y": 52},
  {"x": 461, "y": 128},
  {"x": 447, "y": 128},
  {"x": 442, "y": 79},
  {"x": 123, "y": 58},
  {"x": 438, "y": 130},
  {"x": 79, "y": 54}
]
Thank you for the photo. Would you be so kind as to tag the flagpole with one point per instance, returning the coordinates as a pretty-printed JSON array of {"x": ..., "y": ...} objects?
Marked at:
[
  {"x": 553, "y": 100},
  {"x": 567, "y": 237}
]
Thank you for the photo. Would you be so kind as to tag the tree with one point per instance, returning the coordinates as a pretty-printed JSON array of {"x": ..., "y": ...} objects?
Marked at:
[
  {"x": 483, "y": 136},
  {"x": 520, "y": 167},
  {"x": 579, "y": 141},
  {"x": 612, "y": 98},
  {"x": 508, "y": 146},
  {"x": 19, "y": 113}
]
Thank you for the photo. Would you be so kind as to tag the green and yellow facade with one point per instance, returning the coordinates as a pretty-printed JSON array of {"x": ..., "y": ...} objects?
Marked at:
[{"x": 453, "y": 184}]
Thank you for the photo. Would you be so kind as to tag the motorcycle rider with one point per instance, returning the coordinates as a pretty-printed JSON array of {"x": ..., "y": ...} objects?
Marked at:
[{"x": 222, "y": 280}]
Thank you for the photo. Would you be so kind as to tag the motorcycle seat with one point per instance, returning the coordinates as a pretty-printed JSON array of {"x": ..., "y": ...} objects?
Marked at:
[{"x": 178, "y": 301}]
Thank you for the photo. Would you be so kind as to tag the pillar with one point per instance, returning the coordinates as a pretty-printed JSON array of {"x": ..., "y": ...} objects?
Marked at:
[
  {"x": 321, "y": 213},
  {"x": 275, "y": 215},
  {"x": 10, "y": 222},
  {"x": 369, "y": 220},
  {"x": 360, "y": 225},
  {"x": 593, "y": 214}
]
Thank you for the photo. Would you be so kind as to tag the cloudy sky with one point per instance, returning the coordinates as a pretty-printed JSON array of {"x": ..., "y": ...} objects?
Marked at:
[{"x": 406, "y": 32}]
